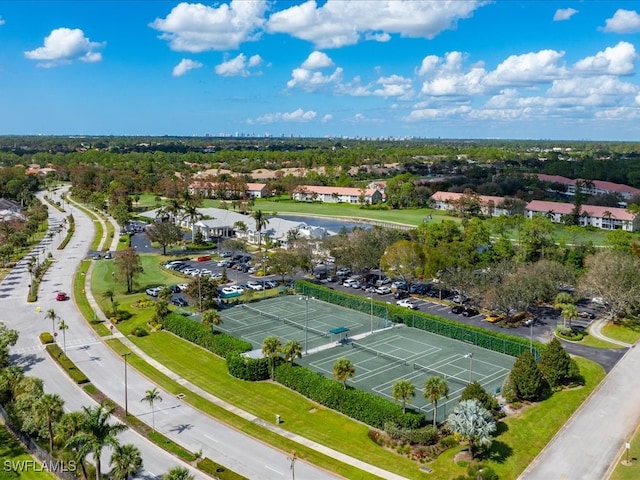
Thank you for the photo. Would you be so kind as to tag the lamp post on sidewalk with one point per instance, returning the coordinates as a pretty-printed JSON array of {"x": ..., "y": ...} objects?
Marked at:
[
  {"x": 371, "y": 317},
  {"x": 306, "y": 321},
  {"x": 126, "y": 399}
]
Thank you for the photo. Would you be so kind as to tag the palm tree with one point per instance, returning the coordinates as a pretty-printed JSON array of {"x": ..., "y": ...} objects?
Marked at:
[
  {"x": 292, "y": 350},
  {"x": 69, "y": 426},
  {"x": 261, "y": 221},
  {"x": 109, "y": 295},
  {"x": 343, "y": 370},
  {"x": 472, "y": 421},
  {"x": 403, "y": 390},
  {"x": 210, "y": 318},
  {"x": 271, "y": 348},
  {"x": 151, "y": 397},
  {"x": 63, "y": 327},
  {"x": 569, "y": 313},
  {"x": 126, "y": 461},
  {"x": 51, "y": 315},
  {"x": 178, "y": 473},
  {"x": 49, "y": 409},
  {"x": 434, "y": 389},
  {"x": 96, "y": 434}
]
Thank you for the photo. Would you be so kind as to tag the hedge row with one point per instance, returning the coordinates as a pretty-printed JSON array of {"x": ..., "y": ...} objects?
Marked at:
[
  {"x": 357, "y": 404},
  {"x": 218, "y": 471},
  {"x": 61, "y": 358},
  {"x": 490, "y": 340},
  {"x": 419, "y": 436},
  {"x": 245, "y": 368},
  {"x": 216, "y": 342},
  {"x": 70, "y": 231}
]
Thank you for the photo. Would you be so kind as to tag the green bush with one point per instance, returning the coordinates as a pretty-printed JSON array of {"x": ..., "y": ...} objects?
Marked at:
[
  {"x": 216, "y": 342},
  {"x": 46, "y": 338},
  {"x": 475, "y": 391},
  {"x": 245, "y": 368},
  {"x": 140, "y": 332},
  {"x": 61, "y": 359},
  {"x": 357, "y": 404},
  {"x": 448, "y": 442},
  {"x": 218, "y": 471},
  {"x": 418, "y": 436}
]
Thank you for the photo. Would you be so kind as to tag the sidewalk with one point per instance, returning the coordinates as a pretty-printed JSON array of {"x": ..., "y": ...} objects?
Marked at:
[
  {"x": 217, "y": 401},
  {"x": 596, "y": 331}
]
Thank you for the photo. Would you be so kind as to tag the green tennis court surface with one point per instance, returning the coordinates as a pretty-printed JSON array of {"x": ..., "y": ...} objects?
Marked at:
[{"x": 389, "y": 354}]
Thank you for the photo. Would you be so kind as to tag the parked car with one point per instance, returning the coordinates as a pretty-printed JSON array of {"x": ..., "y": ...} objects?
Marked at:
[
  {"x": 589, "y": 315},
  {"x": 383, "y": 290},
  {"x": 153, "y": 291},
  {"x": 61, "y": 297},
  {"x": 470, "y": 312},
  {"x": 179, "y": 302},
  {"x": 383, "y": 281},
  {"x": 225, "y": 254},
  {"x": 494, "y": 318},
  {"x": 255, "y": 286},
  {"x": 343, "y": 272},
  {"x": 401, "y": 293},
  {"x": 174, "y": 288},
  {"x": 407, "y": 303},
  {"x": 457, "y": 309},
  {"x": 108, "y": 255},
  {"x": 332, "y": 278},
  {"x": 97, "y": 256}
]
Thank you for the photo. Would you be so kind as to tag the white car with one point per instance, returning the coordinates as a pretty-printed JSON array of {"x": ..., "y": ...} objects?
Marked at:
[
  {"x": 183, "y": 286},
  {"x": 231, "y": 289},
  {"x": 407, "y": 303},
  {"x": 216, "y": 276}
]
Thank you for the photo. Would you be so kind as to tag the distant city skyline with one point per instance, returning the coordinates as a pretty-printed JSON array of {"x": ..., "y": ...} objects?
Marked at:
[{"x": 358, "y": 69}]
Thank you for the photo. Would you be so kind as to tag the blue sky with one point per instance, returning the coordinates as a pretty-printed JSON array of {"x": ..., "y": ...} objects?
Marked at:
[{"x": 400, "y": 68}]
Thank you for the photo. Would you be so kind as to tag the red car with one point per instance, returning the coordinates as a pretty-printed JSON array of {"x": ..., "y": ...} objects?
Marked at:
[{"x": 61, "y": 297}]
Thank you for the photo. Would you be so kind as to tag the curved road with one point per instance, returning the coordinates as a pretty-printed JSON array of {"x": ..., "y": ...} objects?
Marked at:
[{"x": 173, "y": 418}]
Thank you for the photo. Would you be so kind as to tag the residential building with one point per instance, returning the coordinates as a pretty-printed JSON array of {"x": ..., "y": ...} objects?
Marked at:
[
  {"x": 489, "y": 205},
  {"x": 589, "y": 187},
  {"x": 607, "y": 218},
  {"x": 319, "y": 193}
]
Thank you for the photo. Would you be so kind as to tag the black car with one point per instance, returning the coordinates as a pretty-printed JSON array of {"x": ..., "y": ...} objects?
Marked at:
[
  {"x": 332, "y": 278},
  {"x": 401, "y": 294},
  {"x": 470, "y": 312},
  {"x": 457, "y": 309},
  {"x": 179, "y": 302}
]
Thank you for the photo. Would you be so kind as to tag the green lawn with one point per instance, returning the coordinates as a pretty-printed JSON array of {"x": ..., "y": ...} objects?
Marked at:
[
  {"x": 629, "y": 471},
  {"x": 12, "y": 451},
  {"x": 627, "y": 331},
  {"x": 591, "y": 341}
]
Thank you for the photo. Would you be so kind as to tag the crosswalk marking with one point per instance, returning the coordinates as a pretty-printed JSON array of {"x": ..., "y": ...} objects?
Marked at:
[{"x": 70, "y": 343}]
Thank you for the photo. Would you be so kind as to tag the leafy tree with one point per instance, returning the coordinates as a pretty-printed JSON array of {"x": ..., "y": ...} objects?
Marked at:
[
  {"x": 271, "y": 349},
  {"x": 203, "y": 291},
  {"x": 475, "y": 391},
  {"x": 613, "y": 276},
  {"x": 527, "y": 378},
  {"x": 403, "y": 390},
  {"x": 405, "y": 259},
  {"x": 472, "y": 422},
  {"x": 151, "y": 397},
  {"x": 569, "y": 312},
  {"x": 165, "y": 234},
  {"x": 433, "y": 390},
  {"x": 160, "y": 311},
  {"x": 535, "y": 237},
  {"x": 108, "y": 294},
  {"x": 128, "y": 267},
  {"x": 96, "y": 434},
  {"x": 292, "y": 350},
  {"x": 178, "y": 473},
  {"x": 8, "y": 338},
  {"x": 283, "y": 263},
  {"x": 556, "y": 365},
  {"x": 343, "y": 370}
]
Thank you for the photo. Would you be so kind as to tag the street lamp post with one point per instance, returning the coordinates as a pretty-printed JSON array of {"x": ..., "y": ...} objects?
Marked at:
[
  {"x": 126, "y": 399},
  {"x": 371, "y": 318},
  {"x": 470, "y": 357}
]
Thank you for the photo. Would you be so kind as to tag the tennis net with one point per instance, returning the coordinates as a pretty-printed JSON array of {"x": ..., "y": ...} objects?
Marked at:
[
  {"x": 377, "y": 353},
  {"x": 286, "y": 321},
  {"x": 417, "y": 366}
]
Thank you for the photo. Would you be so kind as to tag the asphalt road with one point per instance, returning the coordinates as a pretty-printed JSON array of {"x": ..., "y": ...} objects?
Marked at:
[{"x": 175, "y": 419}]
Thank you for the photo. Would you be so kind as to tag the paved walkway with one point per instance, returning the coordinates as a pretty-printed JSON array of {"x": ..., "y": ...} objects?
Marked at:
[
  {"x": 596, "y": 330},
  {"x": 217, "y": 401}
]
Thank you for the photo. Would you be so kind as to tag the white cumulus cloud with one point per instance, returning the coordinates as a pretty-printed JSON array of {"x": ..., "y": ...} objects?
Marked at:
[
  {"x": 533, "y": 67},
  {"x": 617, "y": 60},
  {"x": 297, "y": 116},
  {"x": 337, "y": 23},
  {"x": 2, "y": 22},
  {"x": 193, "y": 27},
  {"x": 64, "y": 45},
  {"x": 317, "y": 60},
  {"x": 307, "y": 77},
  {"x": 623, "y": 21},
  {"x": 184, "y": 66},
  {"x": 564, "y": 14},
  {"x": 238, "y": 66}
]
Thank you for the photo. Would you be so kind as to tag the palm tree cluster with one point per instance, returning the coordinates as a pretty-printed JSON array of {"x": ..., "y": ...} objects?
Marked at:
[{"x": 272, "y": 348}]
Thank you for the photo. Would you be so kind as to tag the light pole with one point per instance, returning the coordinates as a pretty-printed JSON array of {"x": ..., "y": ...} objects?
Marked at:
[
  {"x": 292, "y": 466},
  {"x": 371, "y": 300},
  {"x": 126, "y": 399},
  {"x": 470, "y": 357},
  {"x": 306, "y": 321}
]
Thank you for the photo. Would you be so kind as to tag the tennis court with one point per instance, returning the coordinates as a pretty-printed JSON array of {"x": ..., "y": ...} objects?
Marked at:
[
  {"x": 288, "y": 316},
  {"x": 407, "y": 353}
]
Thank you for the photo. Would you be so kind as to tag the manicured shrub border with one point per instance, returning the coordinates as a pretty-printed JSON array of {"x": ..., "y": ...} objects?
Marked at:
[{"x": 61, "y": 359}]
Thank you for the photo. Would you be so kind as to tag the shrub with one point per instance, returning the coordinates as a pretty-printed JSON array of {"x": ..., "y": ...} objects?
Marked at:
[
  {"x": 74, "y": 372},
  {"x": 423, "y": 436},
  {"x": 218, "y": 471},
  {"x": 46, "y": 338},
  {"x": 475, "y": 390},
  {"x": 245, "y": 368},
  {"x": 555, "y": 364},
  {"x": 448, "y": 442},
  {"x": 140, "y": 332},
  {"x": 527, "y": 378}
]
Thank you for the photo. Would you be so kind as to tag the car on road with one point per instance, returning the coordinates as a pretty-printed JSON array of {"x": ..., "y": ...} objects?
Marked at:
[
  {"x": 382, "y": 290},
  {"x": 179, "y": 302},
  {"x": 108, "y": 255},
  {"x": 407, "y": 303},
  {"x": 97, "y": 256},
  {"x": 61, "y": 297},
  {"x": 494, "y": 318},
  {"x": 401, "y": 293},
  {"x": 457, "y": 309},
  {"x": 470, "y": 312}
]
